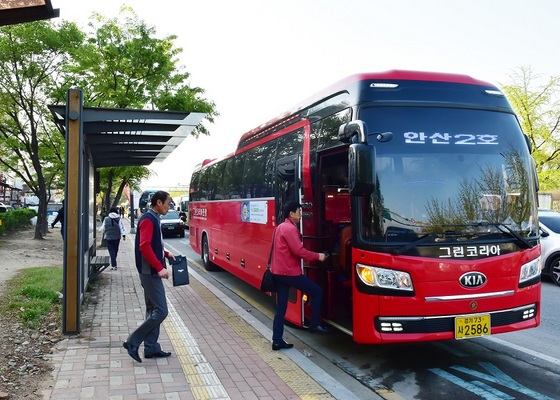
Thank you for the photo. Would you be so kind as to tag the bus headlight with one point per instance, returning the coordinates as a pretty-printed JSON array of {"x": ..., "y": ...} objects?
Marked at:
[
  {"x": 530, "y": 270},
  {"x": 384, "y": 278}
]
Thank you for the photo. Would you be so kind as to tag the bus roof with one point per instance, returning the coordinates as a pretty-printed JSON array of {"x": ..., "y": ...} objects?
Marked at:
[{"x": 397, "y": 75}]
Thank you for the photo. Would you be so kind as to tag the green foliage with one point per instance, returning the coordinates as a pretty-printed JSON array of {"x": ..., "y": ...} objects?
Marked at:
[
  {"x": 31, "y": 56},
  {"x": 33, "y": 293},
  {"x": 114, "y": 179},
  {"x": 119, "y": 63},
  {"x": 123, "y": 64},
  {"x": 12, "y": 220},
  {"x": 535, "y": 100},
  {"x": 31, "y": 60}
]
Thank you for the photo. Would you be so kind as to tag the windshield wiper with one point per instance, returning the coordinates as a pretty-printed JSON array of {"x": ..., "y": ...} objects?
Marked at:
[
  {"x": 524, "y": 242},
  {"x": 417, "y": 242}
]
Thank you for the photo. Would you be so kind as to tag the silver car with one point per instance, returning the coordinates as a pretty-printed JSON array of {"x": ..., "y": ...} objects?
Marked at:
[
  {"x": 549, "y": 222},
  {"x": 171, "y": 223}
]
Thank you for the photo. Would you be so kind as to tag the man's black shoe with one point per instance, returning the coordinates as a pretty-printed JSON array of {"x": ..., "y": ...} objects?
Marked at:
[
  {"x": 318, "y": 328},
  {"x": 132, "y": 351},
  {"x": 159, "y": 354},
  {"x": 283, "y": 345}
]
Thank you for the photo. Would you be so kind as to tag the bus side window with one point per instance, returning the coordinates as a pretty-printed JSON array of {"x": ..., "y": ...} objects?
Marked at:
[
  {"x": 255, "y": 179},
  {"x": 233, "y": 175}
]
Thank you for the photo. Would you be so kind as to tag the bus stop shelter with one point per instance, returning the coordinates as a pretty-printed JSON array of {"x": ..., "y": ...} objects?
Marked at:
[
  {"x": 95, "y": 138},
  {"x": 19, "y": 11}
]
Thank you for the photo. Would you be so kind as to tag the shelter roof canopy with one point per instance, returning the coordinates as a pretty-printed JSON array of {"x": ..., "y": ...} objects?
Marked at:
[{"x": 123, "y": 137}]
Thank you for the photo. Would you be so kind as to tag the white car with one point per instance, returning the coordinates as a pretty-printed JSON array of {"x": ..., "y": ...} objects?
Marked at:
[
  {"x": 549, "y": 223},
  {"x": 5, "y": 208}
]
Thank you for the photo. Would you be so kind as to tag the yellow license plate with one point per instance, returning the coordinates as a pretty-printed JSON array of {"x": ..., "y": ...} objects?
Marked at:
[{"x": 472, "y": 326}]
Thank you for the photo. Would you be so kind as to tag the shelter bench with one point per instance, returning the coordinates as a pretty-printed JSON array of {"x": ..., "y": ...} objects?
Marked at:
[{"x": 99, "y": 264}]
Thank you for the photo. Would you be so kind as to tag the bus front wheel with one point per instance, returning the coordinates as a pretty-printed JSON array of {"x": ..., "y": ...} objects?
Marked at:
[{"x": 208, "y": 265}]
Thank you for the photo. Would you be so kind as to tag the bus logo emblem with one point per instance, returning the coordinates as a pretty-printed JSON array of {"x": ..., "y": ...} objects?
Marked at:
[{"x": 472, "y": 279}]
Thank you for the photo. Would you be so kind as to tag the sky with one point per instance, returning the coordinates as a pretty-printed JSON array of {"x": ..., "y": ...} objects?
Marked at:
[{"x": 256, "y": 59}]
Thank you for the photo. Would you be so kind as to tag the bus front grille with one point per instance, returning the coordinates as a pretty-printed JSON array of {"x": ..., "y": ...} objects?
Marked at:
[{"x": 447, "y": 323}]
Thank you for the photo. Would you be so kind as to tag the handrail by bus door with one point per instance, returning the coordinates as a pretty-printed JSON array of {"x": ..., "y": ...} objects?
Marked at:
[{"x": 288, "y": 169}]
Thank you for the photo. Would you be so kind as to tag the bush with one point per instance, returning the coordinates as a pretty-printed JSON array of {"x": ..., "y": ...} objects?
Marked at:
[{"x": 13, "y": 220}]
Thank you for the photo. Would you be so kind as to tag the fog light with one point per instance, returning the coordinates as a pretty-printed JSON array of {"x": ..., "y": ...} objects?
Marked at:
[{"x": 391, "y": 327}]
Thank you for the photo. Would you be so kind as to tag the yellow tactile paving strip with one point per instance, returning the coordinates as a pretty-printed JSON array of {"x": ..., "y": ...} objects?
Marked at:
[
  {"x": 203, "y": 382},
  {"x": 295, "y": 377}
]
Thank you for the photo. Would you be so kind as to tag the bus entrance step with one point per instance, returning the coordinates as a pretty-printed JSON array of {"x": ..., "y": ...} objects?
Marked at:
[{"x": 99, "y": 264}]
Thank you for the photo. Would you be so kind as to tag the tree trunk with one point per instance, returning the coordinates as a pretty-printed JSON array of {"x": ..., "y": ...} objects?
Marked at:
[
  {"x": 42, "y": 222},
  {"x": 119, "y": 193},
  {"x": 107, "y": 205}
]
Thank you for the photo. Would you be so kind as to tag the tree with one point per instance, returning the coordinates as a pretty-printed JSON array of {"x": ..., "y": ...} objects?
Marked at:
[
  {"x": 123, "y": 65},
  {"x": 535, "y": 101},
  {"x": 130, "y": 176},
  {"x": 31, "y": 58}
]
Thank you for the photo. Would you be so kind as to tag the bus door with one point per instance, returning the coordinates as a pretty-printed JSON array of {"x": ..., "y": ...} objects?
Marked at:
[
  {"x": 288, "y": 187},
  {"x": 335, "y": 226}
]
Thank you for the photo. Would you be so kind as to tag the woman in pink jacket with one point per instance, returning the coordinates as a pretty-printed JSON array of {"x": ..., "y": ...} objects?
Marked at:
[{"x": 287, "y": 253}]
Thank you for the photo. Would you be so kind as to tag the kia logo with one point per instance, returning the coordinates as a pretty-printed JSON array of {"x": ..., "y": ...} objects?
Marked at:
[{"x": 472, "y": 279}]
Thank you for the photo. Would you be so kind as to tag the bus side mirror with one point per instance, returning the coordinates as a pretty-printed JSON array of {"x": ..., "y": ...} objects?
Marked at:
[
  {"x": 354, "y": 128},
  {"x": 360, "y": 169}
]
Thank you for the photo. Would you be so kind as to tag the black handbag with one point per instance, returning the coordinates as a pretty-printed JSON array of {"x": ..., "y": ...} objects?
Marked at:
[
  {"x": 268, "y": 284},
  {"x": 180, "y": 271}
]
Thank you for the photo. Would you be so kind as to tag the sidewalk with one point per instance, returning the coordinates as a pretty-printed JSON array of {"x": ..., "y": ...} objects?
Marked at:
[{"x": 219, "y": 351}]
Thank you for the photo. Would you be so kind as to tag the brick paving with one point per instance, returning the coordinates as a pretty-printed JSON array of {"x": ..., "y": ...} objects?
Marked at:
[{"x": 216, "y": 353}]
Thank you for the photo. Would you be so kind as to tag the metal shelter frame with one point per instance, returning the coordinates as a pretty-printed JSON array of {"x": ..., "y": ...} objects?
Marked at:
[
  {"x": 103, "y": 137},
  {"x": 18, "y": 11}
]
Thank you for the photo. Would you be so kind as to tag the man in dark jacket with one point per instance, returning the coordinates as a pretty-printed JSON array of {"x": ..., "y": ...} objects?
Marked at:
[
  {"x": 59, "y": 218},
  {"x": 150, "y": 257}
]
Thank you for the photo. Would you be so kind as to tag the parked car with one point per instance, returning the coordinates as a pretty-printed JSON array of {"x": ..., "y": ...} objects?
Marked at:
[
  {"x": 171, "y": 223},
  {"x": 5, "y": 208},
  {"x": 549, "y": 222}
]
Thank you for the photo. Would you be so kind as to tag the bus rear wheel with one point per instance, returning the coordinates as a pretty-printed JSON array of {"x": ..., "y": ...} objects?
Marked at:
[{"x": 208, "y": 265}]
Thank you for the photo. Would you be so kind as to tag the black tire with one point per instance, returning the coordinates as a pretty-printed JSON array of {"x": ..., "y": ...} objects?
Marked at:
[
  {"x": 554, "y": 270},
  {"x": 208, "y": 265}
]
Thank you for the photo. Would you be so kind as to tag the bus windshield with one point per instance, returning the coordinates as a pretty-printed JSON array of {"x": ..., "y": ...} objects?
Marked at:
[{"x": 448, "y": 175}]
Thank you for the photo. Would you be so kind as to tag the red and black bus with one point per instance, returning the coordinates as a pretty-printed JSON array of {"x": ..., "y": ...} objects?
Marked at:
[{"x": 420, "y": 185}]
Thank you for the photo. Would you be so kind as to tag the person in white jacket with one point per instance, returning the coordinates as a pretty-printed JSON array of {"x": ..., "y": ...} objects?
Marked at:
[{"x": 113, "y": 229}]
